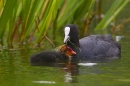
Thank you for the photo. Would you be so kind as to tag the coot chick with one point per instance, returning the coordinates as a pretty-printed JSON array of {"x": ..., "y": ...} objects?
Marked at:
[
  {"x": 93, "y": 46},
  {"x": 62, "y": 53}
]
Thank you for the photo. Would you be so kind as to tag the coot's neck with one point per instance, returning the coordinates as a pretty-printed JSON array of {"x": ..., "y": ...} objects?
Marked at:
[
  {"x": 74, "y": 45},
  {"x": 73, "y": 40}
]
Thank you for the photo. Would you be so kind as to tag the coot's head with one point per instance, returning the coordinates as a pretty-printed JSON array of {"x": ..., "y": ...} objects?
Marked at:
[
  {"x": 71, "y": 38},
  {"x": 66, "y": 50}
]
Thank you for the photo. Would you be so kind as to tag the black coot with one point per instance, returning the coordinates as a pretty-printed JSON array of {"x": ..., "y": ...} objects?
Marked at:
[
  {"x": 63, "y": 53},
  {"x": 93, "y": 46}
]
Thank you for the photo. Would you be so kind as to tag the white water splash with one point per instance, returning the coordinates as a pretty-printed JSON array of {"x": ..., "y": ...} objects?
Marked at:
[
  {"x": 44, "y": 82},
  {"x": 87, "y": 64}
]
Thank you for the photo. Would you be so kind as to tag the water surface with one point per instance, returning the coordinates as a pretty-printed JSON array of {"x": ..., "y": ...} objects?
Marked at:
[{"x": 15, "y": 69}]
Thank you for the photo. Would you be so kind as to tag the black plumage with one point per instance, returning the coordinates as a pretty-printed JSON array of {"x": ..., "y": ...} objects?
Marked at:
[
  {"x": 47, "y": 57},
  {"x": 61, "y": 54},
  {"x": 93, "y": 46}
]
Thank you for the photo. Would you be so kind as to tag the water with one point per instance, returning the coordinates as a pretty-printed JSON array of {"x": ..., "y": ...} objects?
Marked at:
[{"x": 15, "y": 69}]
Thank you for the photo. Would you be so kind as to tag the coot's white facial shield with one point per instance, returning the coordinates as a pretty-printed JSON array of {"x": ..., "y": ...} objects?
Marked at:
[{"x": 66, "y": 31}]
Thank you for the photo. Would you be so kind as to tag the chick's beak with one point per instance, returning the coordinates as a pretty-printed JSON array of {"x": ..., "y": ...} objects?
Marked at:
[{"x": 72, "y": 52}]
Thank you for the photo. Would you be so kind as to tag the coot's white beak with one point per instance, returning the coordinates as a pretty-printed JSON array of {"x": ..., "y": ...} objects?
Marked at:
[
  {"x": 66, "y": 31},
  {"x": 66, "y": 39}
]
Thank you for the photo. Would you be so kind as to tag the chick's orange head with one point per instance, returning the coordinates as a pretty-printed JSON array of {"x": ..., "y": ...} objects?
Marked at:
[{"x": 64, "y": 49}]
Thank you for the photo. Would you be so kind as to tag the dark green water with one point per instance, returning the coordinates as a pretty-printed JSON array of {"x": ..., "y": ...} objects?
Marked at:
[{"x": 15, "y": 69}]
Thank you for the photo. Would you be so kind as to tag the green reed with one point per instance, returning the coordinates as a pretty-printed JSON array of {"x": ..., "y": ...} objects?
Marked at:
[
  {"x": 117, "y": 6},
  {"x": 25, "y": 19}
]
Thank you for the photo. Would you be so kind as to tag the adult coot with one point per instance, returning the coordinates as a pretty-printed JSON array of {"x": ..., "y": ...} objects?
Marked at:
[
  {"x": 93, "y": 46},
  {"x": 62, "y": 53}
]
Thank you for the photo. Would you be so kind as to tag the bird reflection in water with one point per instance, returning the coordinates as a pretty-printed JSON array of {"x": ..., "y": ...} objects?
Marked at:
[{"x": 72, "y": 70}]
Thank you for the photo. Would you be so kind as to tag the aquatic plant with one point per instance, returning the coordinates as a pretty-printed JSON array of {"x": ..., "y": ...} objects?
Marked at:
[{"x": 24, "y": 20}]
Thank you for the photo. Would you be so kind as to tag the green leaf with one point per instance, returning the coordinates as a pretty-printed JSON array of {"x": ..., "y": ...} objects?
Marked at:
[
  {"x": 117, "y": 6},
  {"x": 6, "y": 14}
]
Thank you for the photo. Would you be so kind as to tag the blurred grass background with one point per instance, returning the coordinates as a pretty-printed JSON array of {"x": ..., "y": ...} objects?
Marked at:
[{"x": 27, "y": 20}]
